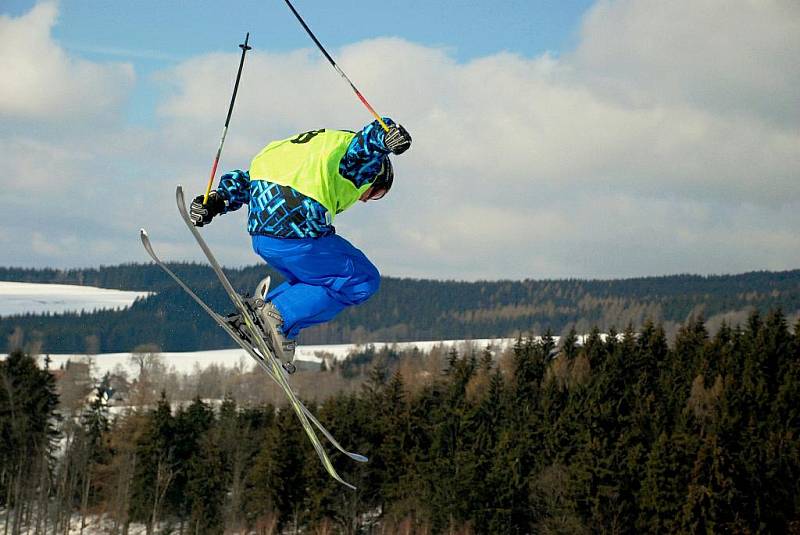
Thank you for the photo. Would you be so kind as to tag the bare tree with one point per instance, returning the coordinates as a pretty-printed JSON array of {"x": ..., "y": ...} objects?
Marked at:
[
  {"x": 147, "y": 359},
  {"x": 165, "y": 473},
  {"x": 74, "y": 386}
]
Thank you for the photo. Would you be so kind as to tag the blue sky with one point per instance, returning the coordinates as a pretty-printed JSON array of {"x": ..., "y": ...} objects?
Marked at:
[
  {"x": 157, "y": 34},
  {"x": 552, "y": 139},
  {"x": 190, "y": 28}
]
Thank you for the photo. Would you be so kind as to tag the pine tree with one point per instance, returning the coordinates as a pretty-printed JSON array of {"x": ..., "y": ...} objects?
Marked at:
[
  {"x": 710, "y": 490},
  {"x": 28, "y": 401},
  {"x": 276, "y": 486},
  {"x": 484, "y": 422},
  {"x": 96, "y": 452},
  {"x": 415, "y": 509},
  {"x": 232, "y": 439},
  {"x": 594, "y": 349},
  {"x": 569, "y": 345},
  {"x": 648, "y": 417},
  {"x": 156, "y": 465},
  {"x": 664, "y": 486},
  {"x": 392, "y": 427},
  {"x": 206, "y": 488},
  {"x": 782, "y": 448},
  {"x": 487, "y": 360},
  {"x": 190, "y": 427},
  {"x": 258, "y": 506}
]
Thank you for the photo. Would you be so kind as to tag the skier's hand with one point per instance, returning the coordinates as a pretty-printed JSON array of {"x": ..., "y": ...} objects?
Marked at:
[
  {"x": 397, "y": 139},
  {"x": 202, "y": 214}
]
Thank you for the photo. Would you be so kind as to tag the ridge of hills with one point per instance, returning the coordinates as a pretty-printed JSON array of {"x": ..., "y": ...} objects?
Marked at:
[{"x": 403, "y": 309}]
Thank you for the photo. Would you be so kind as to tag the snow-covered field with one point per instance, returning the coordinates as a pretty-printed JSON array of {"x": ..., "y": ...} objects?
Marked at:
[
  {"x": 186, "y": 362},
  {"x": 22, "y": 297},
  {"x": 25, "y": 297}
]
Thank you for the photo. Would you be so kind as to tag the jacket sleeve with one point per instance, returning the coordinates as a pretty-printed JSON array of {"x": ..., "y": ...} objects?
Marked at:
[
  {"x": 364, "y": 155},
  {"x": 234, "y": 187}
]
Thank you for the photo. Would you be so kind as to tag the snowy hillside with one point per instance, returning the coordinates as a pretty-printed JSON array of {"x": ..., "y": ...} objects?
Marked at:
[
  {"x": 186, "y": 362},
  {"x": 24, "y": 297}
]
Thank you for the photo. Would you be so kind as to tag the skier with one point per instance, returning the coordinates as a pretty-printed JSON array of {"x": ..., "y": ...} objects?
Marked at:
[{"x": 294, "y": 189}]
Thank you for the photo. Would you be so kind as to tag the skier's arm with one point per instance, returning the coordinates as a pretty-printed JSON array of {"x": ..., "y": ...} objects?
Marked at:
[
  {"x": 234, "y": 188},
  {"x": 233, "y": 192}
]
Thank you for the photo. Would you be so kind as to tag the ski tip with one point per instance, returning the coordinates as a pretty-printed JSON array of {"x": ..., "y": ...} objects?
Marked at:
[{"x": 179, "y": 197}]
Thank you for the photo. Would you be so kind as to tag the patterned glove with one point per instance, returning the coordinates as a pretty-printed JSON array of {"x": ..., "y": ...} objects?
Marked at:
[
  {"x": 397, "y": 139},
  {"x": 202, "y": 214}
]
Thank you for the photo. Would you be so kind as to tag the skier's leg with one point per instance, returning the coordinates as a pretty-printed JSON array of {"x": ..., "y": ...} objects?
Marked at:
[
  {"x": 289, "y": 279},
  {"x": 327, "y": 274}
]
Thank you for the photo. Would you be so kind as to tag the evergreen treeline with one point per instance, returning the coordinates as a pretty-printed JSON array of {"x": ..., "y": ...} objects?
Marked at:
[
  {"x": 402, "y": 310},
  {"x": 624, "y": 434}
]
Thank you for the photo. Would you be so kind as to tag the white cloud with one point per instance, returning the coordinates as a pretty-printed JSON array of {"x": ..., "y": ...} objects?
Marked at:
[
  {"x": 726, "y": 56},
  {"x": 667, "y": 141},
  {"x": 41, "y": 81},
  {"x": 48, "y": 247},
  {"x": 62, "y": 124}
]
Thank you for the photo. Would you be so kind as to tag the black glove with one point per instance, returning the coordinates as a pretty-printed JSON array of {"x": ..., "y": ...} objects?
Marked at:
[
  {"x": 203, "y": 213},
  {"x": 397, "y": 139}
]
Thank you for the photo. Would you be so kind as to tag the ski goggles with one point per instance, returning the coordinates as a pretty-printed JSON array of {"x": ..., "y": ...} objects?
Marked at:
[{"x": 377, "y": 194}]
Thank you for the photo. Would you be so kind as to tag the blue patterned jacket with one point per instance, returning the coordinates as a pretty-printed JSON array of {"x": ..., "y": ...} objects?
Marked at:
[{"x": 282, "y": 211}]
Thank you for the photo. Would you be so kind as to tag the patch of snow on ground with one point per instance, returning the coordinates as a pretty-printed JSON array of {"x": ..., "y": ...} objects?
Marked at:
[
  {"x": 95, "y": 525},
  {"x": 34, "y": 298},
  {"x": 186, "y": 362}
]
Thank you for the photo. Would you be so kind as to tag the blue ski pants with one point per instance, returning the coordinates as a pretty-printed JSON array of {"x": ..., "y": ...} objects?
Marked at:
[{"x": 323, "y": 276}]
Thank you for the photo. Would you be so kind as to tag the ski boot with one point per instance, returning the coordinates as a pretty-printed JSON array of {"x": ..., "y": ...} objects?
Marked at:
[{"x": 270, "y": 322}]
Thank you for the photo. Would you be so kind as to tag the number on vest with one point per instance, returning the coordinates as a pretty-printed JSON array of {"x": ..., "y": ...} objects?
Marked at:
[{"x": 305, "y": 137}]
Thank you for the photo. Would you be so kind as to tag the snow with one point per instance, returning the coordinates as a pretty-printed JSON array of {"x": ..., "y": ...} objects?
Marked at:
[
  {"x": 34, "y": 298},
  {"x": 95, "y": 525},
  {"x": 188, "y": 361}
]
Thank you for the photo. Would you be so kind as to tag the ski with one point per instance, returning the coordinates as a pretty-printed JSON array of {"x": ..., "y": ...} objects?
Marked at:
[
  {"x": 240, "y": 341},
  {"x": 279, "y": 374}
]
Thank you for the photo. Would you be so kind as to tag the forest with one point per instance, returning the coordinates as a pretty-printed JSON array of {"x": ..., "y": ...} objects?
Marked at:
[
  {"x": 449, "y": 309},
  {"x": 625, "y": 433}
]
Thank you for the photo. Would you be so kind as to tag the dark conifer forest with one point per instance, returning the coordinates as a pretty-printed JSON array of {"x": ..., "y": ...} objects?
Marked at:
[
  {"x": 626, "y": 433},
  {"x": 402, "y": 310}
]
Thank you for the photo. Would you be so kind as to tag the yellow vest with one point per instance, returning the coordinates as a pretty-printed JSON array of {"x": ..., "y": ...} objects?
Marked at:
[{"x": 309, "y": 163}]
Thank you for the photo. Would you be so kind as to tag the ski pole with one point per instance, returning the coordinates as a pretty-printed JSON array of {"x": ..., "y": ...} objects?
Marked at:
[
  {"x": 244, "y": 48},
  {"x": 335, "y": 66}
]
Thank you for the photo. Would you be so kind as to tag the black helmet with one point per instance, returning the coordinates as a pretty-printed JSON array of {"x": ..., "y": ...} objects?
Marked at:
[{"x": 383, "y": 180}]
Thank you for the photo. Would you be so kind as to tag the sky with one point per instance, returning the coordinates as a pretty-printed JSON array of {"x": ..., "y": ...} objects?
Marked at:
[{"x": 552, "y": 139}]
